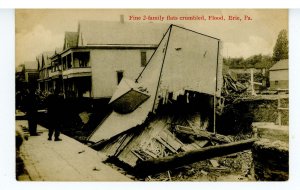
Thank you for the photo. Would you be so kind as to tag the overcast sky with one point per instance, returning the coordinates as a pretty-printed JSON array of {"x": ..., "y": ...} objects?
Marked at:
[{"x": 43, "y": 30}]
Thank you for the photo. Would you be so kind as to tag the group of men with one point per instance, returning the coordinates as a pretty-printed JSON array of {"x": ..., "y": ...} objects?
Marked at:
[{"x": 54, "y": 103}]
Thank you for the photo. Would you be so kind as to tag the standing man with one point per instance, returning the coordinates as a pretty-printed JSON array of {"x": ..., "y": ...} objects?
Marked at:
[
  {"x": 31, "y": 111},
  {"x": 55, "y": 112}
]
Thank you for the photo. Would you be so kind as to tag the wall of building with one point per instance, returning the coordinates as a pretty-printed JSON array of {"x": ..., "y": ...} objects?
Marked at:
[
  {"x": 191, "y": 63},
  {"x": 279, "y": 79},
  {"x": 106, "y": 63},
  {"x": 279, "y": 75},
  {"x": 282, "y": 84}
]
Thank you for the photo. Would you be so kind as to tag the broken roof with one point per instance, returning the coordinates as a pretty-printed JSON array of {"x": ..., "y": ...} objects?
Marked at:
[
  {"x": 184, "y": 60},
  {"x": 93, "y": 33},
  {"x": 280, "y": 65}
]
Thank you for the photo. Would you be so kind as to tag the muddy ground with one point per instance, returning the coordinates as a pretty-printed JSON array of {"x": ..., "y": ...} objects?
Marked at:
[{"x": 233, "y": 167}]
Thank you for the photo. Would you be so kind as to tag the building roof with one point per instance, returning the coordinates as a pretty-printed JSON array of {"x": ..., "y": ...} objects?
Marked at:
[
  {"x": 20, "y": 68},
  {"x": 93, "y": 33},
  {"x": 58, "y": 50},
  {"x": 71, "y": 40},
  {"x": 281, "y": 65},
  {"x": 44, "y": 60},
  {"x": 30, "y": 65}
]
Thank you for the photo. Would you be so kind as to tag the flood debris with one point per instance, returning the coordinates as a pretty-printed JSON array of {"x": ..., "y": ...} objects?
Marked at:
[
  {"x": 166, "y": 118},
  {"x": 203, "y": 172},
  {"x": 214, "y": 163},
  {"x": 184, "y": 158},
  {"x": 232, "y": 86}
]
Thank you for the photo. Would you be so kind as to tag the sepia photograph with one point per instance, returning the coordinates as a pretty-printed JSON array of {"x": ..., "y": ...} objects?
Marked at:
[{"x": 152, "y": 95}]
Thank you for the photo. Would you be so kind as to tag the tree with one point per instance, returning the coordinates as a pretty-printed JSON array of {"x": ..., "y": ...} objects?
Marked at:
[{"x": 281, "y": 48}]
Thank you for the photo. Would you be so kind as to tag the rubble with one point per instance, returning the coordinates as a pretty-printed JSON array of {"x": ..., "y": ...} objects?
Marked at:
[
  {"x": 230, "y": 169},
  {"x": 165, "y": 118},
  {"x": 167, "y": 80}
]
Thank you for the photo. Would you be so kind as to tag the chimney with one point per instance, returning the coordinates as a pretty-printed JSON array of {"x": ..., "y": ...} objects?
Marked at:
[{"x": 122, "y": 19}]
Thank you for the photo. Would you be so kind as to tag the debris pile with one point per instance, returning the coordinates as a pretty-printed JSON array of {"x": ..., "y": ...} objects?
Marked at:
[
  {"x": 166, "y": 118},
  {"x": 233, "y": 167},
  {"x": 231, "y": 86}
]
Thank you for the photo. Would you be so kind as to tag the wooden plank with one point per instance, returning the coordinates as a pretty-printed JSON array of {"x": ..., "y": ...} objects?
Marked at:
[
  {"x": 139, "y": 138},
  {"x": 159, "y": 139},
  {"x": 162, "y": 164},
  {"x": 196, "y": 146},
  {"x": 190, "y": 147},
  {"x": 283, "y": 108},
  {"x": 184, "y": 129},
  {"x": 137, "y": 155},
  {"x": 203, "y": 134},
  {"x": 125, "y": 142},
  {"x": 201, "y": 143},
  {"x": 187, "y": 148},
  {"x": 150, "y": 153},
  {"x": 194, "y": 128},
  {"x": 170, "y": 139},
  {"x": 111, "y": 148}
]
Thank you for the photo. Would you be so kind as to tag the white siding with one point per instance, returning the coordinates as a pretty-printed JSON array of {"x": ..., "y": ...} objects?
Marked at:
[
  {"x": 106, "y": 62},
  {"x": 191, "y": 63},
  {"x": 279, "y": 75}
]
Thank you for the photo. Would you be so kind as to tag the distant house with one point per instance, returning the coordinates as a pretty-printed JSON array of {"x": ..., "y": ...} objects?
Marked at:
[
  {"x": 26, "y": 75},
  {"x": 279, "y": 75},
  {"x": 44, "y": 68},
  {"x": 96, "y": 57}
]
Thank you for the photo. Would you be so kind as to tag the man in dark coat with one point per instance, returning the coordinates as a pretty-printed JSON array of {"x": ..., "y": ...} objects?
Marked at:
[
  {"x": 55, "y": 115},
  {"x": 31, "y": 112}
]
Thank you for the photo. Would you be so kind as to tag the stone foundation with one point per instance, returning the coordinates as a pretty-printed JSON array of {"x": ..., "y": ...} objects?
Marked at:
[{"x": 270, "y": 160}]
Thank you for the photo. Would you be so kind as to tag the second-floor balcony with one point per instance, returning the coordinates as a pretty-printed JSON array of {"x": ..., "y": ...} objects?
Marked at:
[
  {"x": 43, "y": 75},
  {"x": 55, "y": 74},
  {"x": 77, "y": 72}
]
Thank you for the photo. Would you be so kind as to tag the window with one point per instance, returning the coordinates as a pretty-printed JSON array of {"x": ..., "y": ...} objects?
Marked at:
[
  {"x": 119, "y": 76},
  {"x": 143, "y": 58},
  {"x": 276, "y": 82},
  {"x": 69, "y": 61}
]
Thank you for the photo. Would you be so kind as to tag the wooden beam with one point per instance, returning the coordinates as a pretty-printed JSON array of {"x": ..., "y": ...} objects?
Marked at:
[
  {"x": 162, "y": 164},
  {"x": 203, "y": 134}
]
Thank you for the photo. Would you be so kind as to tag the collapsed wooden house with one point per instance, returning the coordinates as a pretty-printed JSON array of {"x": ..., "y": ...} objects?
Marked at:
[{"x": 169, "y": 108}]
